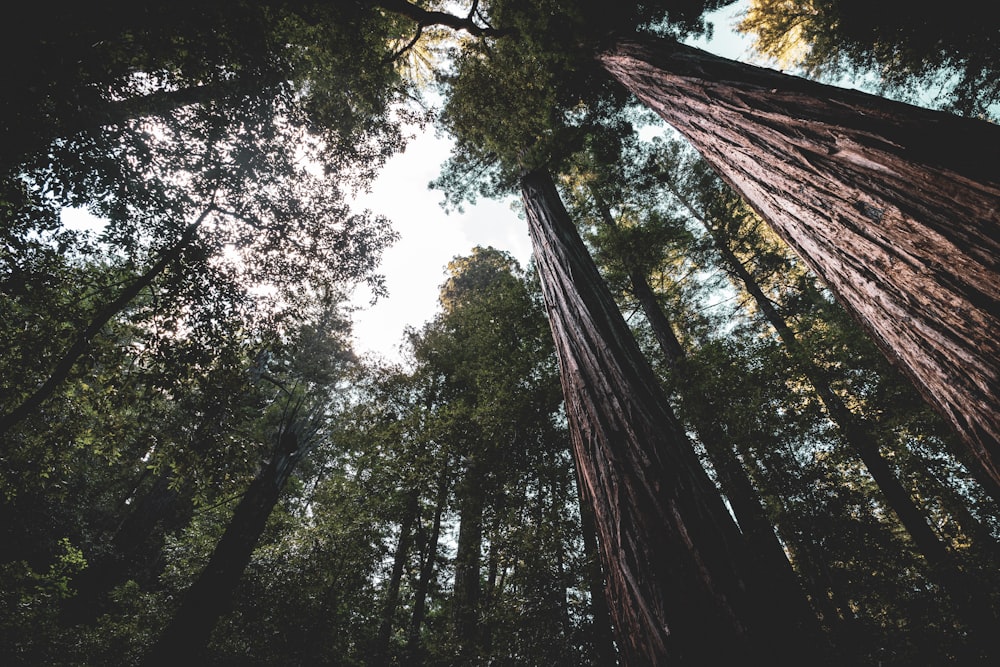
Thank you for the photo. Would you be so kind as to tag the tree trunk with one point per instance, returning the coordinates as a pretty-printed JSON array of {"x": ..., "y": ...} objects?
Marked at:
[
  {"x": 381, "y": 652},
  {"x": 893, "y": 206},
  {"x": 768, "y": 556},
  {"x": 187, "y": 635},
  {"x": 674, "y": 560},
  {"x": 414, "y": 653},
  {"x": 467, "y": 594},
  {"x": 972, "y": 606}
]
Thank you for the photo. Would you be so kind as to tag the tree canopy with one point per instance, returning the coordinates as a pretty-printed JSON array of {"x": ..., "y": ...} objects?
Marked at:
[{"x": 697, "y": 428}]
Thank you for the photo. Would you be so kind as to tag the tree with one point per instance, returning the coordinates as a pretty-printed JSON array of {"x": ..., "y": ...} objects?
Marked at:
[
  {"x": 490, "y": 350},
  {"x": 93, "y": 74},
  {"x": 630, "y": 246},
  {"x": 524, "y": 95},
  {"x": 882, "y": 158},
  {"x": 869, "y": 193},
  {"x": 677, "y": 569},
  {"x": 858, "y": 432},
  {"x": 302, "y": 410}
]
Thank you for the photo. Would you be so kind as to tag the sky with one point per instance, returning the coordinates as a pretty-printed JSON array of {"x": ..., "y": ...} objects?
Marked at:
[{"x": 430, "y": 238}]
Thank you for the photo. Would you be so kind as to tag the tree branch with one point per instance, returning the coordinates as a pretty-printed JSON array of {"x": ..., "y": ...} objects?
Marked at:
[
  {"x": 426, "y": 17},
  {"x": 409, "y": 45}
]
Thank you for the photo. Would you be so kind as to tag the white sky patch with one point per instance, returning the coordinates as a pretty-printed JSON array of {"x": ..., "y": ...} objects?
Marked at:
[
  {"x": 81, "y": 220},
  {"x": 429, "y": 238}
]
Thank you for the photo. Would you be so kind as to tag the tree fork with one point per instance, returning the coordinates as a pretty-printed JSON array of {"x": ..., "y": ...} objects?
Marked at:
[{"x": 893, "y": 206}]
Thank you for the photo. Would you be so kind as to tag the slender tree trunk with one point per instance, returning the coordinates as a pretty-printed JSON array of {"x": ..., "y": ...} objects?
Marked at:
[
  {"x": 381, "y": 653},
  {"x": 413, "y": 643},
  {"x": 893, "y": 206},
  {"x": 674, "y": 560},
  {"x": 66, "y": 363},
  {"x": 467, "y": 594},
  {"x": 187, "y": 634}
]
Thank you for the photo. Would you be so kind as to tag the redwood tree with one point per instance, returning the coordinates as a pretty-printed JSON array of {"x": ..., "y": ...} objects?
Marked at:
[
  {"x": 676, "y": 566},
  {"x": 895, "y": 207}
]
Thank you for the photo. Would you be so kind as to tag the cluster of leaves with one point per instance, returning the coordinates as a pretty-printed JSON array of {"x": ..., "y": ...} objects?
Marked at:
[
  {"x": 154, "y": 356},
  {"x": 541, "y": 88},
  {"x": 487, "y": 456},
  {"x": 911, "y": 49}
]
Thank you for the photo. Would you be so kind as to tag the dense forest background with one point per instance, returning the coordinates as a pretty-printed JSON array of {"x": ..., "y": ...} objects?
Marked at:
[{"x": 195, "y": 466}]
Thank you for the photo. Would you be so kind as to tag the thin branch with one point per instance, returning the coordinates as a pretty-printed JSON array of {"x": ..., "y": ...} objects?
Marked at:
[
  {"x": 83, "y": 340},
  {"x": 409, "y": 45},
  {"x": 425, "y": 17}
]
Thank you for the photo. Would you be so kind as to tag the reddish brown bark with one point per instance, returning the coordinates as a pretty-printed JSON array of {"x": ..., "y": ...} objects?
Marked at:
[
  {"x": 972, "y": 602},
  {"x": 895, "y": 207},
  {"x": 675, "y": 563},
  {"x": 767, "y": 554}
]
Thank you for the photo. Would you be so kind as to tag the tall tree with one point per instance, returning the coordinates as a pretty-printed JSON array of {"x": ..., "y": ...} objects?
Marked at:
[
  {"x": 676, "y": 566},
  {"x": 893, "y": 206},
  {"x": 862, "y": 437},
  {"x": 302, "y": 409},
  {"x": 895, "y": 177},
  {"x": 631, "y": 250}
]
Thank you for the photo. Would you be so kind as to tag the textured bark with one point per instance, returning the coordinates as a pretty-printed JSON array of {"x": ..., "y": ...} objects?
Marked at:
[
  {"x": 767, "y": 555},
  {"x": 211, "y": 595},
  {"x": 895, "y": 208},
  {"x": 674, "y": 560}
]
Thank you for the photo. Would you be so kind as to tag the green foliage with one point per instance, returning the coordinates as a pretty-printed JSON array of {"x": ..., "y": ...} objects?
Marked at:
[
  {"x": 914, "y": 50},
  {"x": 530, "y": 100},
  {"x": 233, "y": 135}
]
